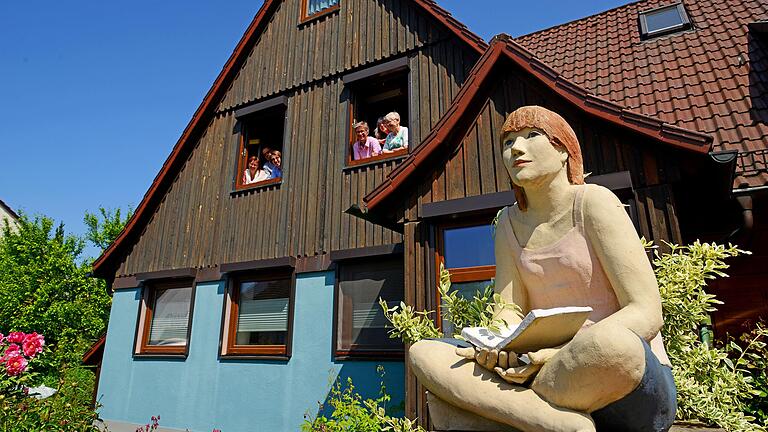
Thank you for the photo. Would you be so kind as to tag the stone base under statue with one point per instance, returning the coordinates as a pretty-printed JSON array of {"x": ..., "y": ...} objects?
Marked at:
[{"x": 448, "y": 418}]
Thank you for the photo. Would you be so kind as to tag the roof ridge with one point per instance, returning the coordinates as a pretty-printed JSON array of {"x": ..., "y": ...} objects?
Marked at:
[{"x": 578, "y": 19}]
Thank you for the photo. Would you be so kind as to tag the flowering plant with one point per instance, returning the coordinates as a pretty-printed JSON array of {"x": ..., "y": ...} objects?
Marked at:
[{"x": 16, "y": 351}]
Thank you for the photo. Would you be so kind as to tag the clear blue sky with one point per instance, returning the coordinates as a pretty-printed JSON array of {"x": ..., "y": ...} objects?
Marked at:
[{"x": 94, "y": 94}]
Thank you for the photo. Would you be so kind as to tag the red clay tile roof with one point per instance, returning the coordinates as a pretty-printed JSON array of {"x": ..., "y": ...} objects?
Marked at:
[
  {"x": 504, "y": 46},
  {"x": 706, "y": 79}
]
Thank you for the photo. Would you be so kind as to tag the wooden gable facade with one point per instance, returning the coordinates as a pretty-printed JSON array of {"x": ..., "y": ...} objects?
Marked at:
[
  {"x": 194, "y": 218},
  {"x": 456, "y": 177}
]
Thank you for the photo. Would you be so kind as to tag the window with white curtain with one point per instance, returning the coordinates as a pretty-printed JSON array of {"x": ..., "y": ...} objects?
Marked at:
[{"x": 317, "y": 6}]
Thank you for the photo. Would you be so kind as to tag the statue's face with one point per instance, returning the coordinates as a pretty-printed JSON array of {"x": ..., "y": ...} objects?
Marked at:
[{"x": 530, "y": 158}]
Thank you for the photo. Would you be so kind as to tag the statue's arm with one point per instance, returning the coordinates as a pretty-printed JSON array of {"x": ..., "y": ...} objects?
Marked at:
[
  {"x": 508, "y": 283},
  {"x": 614, "y": 240}
]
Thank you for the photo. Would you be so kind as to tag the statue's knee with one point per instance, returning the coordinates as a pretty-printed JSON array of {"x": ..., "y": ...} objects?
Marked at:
[{"x": 613, "y": 347}]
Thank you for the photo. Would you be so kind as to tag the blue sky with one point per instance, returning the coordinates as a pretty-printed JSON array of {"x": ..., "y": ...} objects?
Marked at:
[{"x": 93, "y": 95}]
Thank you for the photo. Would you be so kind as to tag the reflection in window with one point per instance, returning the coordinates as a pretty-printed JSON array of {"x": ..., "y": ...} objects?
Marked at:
[
  {"x": 361, "y": 322},
  {"x": 469, "y": 246},
  {"x": 170, "y": 317},
  {"x": 262, "y": 312},
  {"x": 468, "y": 254},
  {"x": 165, "y": 316},
  {"x": 663, "y": 20}
]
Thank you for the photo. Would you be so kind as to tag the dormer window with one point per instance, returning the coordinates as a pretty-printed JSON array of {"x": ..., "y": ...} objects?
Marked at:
[{"x": 663, "y": 20}]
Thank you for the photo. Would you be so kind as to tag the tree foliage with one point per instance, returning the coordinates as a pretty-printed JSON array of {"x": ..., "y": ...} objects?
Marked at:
[{"x": 104, "y": 229}]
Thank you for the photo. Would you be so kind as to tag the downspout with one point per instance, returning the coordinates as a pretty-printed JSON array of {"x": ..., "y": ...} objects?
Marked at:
[{"x": 747, "y": 219}]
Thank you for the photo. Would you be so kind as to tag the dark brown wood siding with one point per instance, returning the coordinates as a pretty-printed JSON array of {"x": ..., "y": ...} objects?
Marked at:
[
  {"x": 289, "y": 54},
  {"x": 201, "y": 223}
]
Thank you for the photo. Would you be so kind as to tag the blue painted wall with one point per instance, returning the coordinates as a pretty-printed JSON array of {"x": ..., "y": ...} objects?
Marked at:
[{"x": 203, "y": 392}]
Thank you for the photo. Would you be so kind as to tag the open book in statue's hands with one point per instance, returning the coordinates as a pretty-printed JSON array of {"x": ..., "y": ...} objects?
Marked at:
[{"x": 541, "y": 328}]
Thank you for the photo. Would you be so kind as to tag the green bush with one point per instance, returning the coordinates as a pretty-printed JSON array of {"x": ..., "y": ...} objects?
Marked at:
[
  {"x": 725, "y": 385},
  {"x": 350, "y": 413}
]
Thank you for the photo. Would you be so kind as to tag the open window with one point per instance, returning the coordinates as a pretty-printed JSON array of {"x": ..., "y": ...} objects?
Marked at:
[
  {"x": 260, "y": 150},
  {"x": 467, "y": 252},
  {"x": 374, "y": 93},
  {"x": 165, "y": 318},
  {"x": 362, "y": 330},
  {"x": 258, "y": 314}
]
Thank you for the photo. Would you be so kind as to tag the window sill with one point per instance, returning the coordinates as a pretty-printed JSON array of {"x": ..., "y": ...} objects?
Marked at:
[
  {"x": 377, "y": 160},
  {"x": 246, "y": 357},
  {"x": 364, "y": 355},
  {"x": 160, "y": 355},
  {"x": 318, "y": 15},
  {"x": 267, "y": 351},
  {"x": 266, "y": 184}
]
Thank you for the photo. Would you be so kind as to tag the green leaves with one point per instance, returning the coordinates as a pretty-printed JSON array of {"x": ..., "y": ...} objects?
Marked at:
[
  {"x": 353, "y": 414},
  {"x": 712, "y": 386},
  {"x": 409, "y": 324},
  {"x": 103, "y": 231}
]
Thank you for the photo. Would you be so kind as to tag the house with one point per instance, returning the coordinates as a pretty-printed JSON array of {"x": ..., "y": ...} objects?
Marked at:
[
  {"x": 7, "y": 214},
  {"x": 236, "y": 305}
]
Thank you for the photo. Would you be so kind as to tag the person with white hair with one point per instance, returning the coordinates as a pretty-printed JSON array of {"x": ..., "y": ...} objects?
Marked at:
[{"x": 397, "y": 139}]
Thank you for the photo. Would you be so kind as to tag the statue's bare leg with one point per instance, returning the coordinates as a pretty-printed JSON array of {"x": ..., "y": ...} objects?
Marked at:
[
  {"x": 465, "y": 384},
  {"x": 602, "y": 364}
]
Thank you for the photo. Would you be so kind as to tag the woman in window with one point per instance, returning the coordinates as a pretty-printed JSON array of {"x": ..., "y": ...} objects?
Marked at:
[
  {"x": 365, "y": 146},
  {"x": 274, "y": 165},
  {"x": 252, "y": 173},
  {"x": 398, "y": 135},
  {"x": 381, "y": 131}
]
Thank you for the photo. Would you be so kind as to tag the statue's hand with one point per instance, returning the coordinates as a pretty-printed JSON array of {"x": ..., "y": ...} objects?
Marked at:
[
  {"x": 489, "y": 359},
  {"x": 519, "y": 374}
]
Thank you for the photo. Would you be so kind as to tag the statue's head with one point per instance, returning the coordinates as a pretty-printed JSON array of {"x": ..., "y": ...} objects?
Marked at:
[{"x": 546, "y": 139}]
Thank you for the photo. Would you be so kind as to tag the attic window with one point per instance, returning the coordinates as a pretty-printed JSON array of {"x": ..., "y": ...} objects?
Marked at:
[
  {"x": 315, "y": 8},
  {"x": 664, "y": 20}
]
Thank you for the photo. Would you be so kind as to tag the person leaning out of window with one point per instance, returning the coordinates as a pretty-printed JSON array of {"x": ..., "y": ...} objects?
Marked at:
[
  {"x": 381, "y": 131},
  {"x": 365, "y": 146},
  {"x": 398, "y": 135},
  {"x": 274, "y": 164},
  {"x": 252, "y": 173}
]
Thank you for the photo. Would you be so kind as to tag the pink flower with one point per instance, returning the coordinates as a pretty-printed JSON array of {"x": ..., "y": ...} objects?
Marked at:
[
  {"x": 33, "y": 344},
  {"x": 11, "y": 351},
  {"x": 16, "y": 337},
  {"x": 15, "y": 364},
  {"x": 1, "y": 338}
]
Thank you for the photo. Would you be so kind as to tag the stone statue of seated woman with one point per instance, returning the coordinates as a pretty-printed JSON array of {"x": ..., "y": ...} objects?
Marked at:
[{"x": 564, "y": 243}]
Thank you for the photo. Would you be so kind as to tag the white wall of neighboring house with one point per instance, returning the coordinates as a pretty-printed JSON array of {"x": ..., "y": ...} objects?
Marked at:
[{"x": 6, "y": 214}]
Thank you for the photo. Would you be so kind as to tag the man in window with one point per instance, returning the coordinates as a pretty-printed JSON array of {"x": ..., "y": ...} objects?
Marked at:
[
  {"x": 365, "y": 146},
  {"x": 274, "y": 165}
]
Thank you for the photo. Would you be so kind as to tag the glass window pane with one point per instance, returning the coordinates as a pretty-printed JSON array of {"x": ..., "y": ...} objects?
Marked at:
[
  {"x": 170, "y": 317},
  {"x": 466, "y": 290},
  {"x": 361, "y": 321},
  {"x": 469, "y": 246},
  {"x": 663, "y": 19},
  {"x": 314, "y": 6},
  {"x": 262, "y": 312}
]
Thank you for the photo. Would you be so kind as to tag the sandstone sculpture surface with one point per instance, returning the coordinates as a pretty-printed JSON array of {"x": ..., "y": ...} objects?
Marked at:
[{"x": 564, "y": 243}]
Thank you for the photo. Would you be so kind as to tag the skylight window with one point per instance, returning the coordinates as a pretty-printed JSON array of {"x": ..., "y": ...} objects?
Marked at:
[{"x": 664, "y": 20}]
